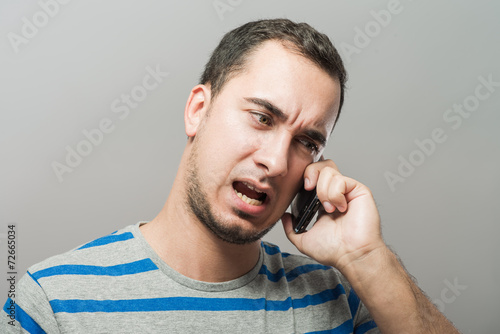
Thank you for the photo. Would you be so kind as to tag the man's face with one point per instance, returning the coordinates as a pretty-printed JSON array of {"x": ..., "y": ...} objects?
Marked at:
[{"x": 251, "y": 149}]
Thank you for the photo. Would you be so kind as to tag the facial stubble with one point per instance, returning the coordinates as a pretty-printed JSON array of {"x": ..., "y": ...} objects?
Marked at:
[{"x": 197, "y": 201}]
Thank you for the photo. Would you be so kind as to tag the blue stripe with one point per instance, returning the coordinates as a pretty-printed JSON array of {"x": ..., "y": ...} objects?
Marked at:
[
  {"x": 80, "y": 269},
  {"x": 319, "y": 298},
  {"x": 270, "y": 276},
  {"x": 108, "y": 240},
  {"x": 353, "y": 301},
  {"x": 193, "y": 303},
  {"x": 345, "y": 328},
  {"x": 271, "y": 250},
  {"x": 292, "y": 274},
  {"x": 363, "y": 328},
  {"x": 23, "y": 318}
]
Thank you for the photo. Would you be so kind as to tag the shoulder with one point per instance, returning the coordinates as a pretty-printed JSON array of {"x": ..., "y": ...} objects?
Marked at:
[
  {"x": 73, "y": 275},
  {"x": 113, "y": 252}
]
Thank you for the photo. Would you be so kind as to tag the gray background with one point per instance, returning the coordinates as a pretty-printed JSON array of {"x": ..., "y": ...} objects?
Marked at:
[{"x": 442, "y": 220}]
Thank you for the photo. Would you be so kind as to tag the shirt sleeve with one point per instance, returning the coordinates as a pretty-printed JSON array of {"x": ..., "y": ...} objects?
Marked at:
[{"x": 28, "y": 310}]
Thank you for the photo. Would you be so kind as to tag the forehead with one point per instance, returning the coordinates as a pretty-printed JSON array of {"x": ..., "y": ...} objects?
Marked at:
[{"x": 295, "y": 84}]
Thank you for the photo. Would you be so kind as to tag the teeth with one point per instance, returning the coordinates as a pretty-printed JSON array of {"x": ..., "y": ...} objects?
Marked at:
[
  {"x": 250, "y": 201},
  {"x": 251, "y": 187}
]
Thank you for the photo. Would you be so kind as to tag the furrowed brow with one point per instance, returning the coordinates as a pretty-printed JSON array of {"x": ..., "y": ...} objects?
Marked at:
[
  {"x": 316, "y": 136},
  {"x": 313, "y": 134},
  {"x": 268, "y": 106}
]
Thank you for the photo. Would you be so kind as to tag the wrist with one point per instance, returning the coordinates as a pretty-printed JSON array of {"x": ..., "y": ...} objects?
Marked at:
[
  {"x": 364, "y": 261},
  {"x": 370, "y": 272}
]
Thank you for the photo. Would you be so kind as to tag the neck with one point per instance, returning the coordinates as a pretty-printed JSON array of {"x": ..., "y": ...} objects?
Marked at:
[
  {"x": 193, "y": 251},
  {"x": 190, "y": 248}
]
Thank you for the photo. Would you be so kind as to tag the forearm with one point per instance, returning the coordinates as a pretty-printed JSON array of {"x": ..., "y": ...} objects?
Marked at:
[{"x": 395, "y": 302}]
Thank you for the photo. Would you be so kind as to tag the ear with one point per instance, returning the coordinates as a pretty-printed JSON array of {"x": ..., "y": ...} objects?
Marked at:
[{"x": 196, "y": 108}]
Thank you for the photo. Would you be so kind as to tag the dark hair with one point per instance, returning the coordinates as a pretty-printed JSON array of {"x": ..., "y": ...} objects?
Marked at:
[{"x": 230, "y": 56}]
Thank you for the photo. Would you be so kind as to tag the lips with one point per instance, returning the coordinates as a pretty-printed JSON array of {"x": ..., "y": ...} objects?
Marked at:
[{"x": 249, "y": 193}]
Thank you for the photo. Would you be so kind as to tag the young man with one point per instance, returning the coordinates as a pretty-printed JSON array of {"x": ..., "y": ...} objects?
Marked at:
[{"x": 257, "y": 125}]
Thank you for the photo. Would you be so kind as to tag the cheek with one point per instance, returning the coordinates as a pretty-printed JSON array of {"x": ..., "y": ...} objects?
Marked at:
[
  {"x": 222, "y": 146},
  {"x": 295, "y": 177},
  {"x": 237, "y": 139},
  {"x": 291, "y": 192}
]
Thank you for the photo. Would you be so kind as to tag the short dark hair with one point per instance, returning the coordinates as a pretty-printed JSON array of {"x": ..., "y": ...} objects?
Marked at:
[{"x": 230, "y": 56}]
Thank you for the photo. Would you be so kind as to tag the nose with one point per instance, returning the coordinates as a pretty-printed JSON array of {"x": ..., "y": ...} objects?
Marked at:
[{"x": 273, "y": 155}]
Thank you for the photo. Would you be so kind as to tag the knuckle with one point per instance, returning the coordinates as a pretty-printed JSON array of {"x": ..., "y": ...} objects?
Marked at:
[
  {"x": 331, "y": 164},
  {"x": 329, "y": 170},
  {"x": 334, "y": 195},
  {"x": 337, "y": 177}
]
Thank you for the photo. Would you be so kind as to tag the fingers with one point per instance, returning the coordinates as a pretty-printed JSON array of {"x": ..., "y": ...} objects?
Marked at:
[
  {"x": 331, "y": 190},
  {"x": 312, "y": 172},
  {"x": 331, "y": 186}
]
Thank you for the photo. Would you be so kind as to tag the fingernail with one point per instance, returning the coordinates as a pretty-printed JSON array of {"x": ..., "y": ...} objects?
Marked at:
[{"x": 328, "y": 207}]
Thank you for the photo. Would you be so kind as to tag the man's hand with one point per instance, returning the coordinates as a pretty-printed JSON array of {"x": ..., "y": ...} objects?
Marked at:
[
  {"x": 347, "y": 236},
  {"x": 348, "y": 226}
]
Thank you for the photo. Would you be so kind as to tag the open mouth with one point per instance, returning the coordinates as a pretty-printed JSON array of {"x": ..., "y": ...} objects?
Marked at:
[{"x": 249, "y": 194}]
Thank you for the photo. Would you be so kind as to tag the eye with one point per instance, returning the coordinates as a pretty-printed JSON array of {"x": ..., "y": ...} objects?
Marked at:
[
  {"x": 263, "y": 119},
  {"x": 309, "y": 145}
]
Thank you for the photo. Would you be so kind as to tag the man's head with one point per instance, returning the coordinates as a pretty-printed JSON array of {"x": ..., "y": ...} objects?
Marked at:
[
  {"x": 233, "y": 51},
  {"x": 270, "y": 116}
]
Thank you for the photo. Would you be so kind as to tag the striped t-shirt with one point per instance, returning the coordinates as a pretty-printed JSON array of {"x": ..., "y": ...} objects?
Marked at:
[{"x": 118, "y": 284}]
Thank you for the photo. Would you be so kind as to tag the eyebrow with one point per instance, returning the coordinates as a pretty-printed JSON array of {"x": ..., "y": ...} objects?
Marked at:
[
  {"x": 316, "y": 136},
  {"x": 268, "y": 106},
  {"x": 313, "y": 134}
]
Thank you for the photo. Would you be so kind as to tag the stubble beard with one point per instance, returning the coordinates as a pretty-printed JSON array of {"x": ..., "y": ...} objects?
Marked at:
[{"x": 198, "y": 204}]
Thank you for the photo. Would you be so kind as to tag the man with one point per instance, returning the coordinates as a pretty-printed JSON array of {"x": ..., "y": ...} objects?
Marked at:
[{"x": 257, "y": 125}]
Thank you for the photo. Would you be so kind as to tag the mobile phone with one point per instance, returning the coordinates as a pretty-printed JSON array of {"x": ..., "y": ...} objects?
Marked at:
[{"x": 304, "y": 208}]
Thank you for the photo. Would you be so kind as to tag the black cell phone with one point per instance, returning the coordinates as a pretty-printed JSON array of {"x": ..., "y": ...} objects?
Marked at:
[{"x": 304, "y": 207}]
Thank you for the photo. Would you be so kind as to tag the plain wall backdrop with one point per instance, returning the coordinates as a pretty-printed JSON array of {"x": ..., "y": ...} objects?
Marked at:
[{"x": 419, "y": 126}]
